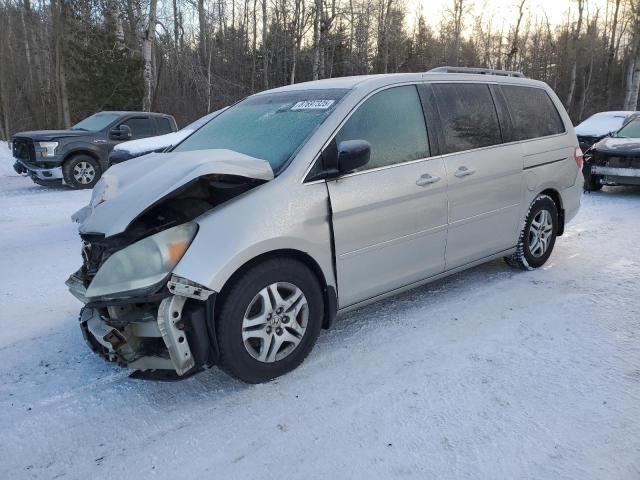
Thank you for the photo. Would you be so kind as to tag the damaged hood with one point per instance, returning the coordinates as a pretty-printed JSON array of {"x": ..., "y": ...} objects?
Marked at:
[
  {"x": 618, "y": 146},
  {"x": 128, "y": 189}
]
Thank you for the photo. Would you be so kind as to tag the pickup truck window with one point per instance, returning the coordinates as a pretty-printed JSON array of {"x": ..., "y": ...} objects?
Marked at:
[
  {"x": 164, "y": 125},
  {"x": 140, "y": 127}
]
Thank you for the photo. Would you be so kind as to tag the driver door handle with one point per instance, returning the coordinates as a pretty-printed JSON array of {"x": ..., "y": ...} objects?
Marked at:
[
  {"x": 464, "y": 172},
  {"x": 426, "y": 179}
]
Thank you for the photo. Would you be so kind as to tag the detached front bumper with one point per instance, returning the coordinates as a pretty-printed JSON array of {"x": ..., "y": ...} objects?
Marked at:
[
  {"x": 147, "y": 333},
  {"x": 40, "y": 173}
]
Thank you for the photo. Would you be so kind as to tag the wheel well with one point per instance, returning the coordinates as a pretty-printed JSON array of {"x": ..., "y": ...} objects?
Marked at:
[
  {"x": 329, "y": 293},
  {"x": 557, "y": 199},
  {"x": 82, "y": 152}
]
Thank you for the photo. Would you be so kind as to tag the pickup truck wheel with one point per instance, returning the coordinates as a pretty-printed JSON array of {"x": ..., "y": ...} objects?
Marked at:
[
  {"x": 269, "y": 320},
  {"x": 81, "y": 171},
  {"x": 538, "y": 235}
]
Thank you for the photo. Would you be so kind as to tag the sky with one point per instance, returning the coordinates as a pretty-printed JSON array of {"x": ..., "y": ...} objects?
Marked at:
[{"x": 504, "y": 10}]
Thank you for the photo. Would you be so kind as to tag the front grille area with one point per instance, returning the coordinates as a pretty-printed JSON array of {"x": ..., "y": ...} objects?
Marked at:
[
  {"x": 93, "y": 256},
  {"x": 24, "y": 149},
  {"x": 623, "y": 162}
]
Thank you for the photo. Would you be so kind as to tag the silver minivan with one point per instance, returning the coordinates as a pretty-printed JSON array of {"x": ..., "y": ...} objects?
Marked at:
[{"x": 299, "y": 203}]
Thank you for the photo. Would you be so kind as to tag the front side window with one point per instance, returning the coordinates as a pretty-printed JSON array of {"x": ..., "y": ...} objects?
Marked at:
[
  {"x": 269, "y": 126},
  {"x": 468, "y": 116},
  {"x": 96, "y": 122},
  {"x": 532, "y": 112},
  {"x": 393, "y": 123}
]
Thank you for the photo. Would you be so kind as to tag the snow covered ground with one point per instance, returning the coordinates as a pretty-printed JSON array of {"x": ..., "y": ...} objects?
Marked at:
[{"x": 490, "y": 374}]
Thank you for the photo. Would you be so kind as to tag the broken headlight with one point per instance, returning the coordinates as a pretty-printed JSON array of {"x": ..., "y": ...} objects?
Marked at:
[{"x": 144, "y": 263}]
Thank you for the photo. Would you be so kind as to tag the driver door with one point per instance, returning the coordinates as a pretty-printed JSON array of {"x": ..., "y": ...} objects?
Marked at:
[{"x": 390, "y": 216}]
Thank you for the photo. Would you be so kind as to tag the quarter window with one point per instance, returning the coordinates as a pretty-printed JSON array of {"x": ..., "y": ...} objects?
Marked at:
[
  {"x": 467, "y": 116},
  {"x": 532, "y": 112},
  {"x": 393, "y": 123}
]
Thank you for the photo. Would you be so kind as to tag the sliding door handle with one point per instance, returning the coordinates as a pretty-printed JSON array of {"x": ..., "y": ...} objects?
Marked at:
[
  {"x": 426, "y": 179},
  {"x": 464, "y": 172}
]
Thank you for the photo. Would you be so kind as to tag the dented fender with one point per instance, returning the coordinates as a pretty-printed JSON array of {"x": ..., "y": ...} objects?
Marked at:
[{"x": 269, "y": 219}]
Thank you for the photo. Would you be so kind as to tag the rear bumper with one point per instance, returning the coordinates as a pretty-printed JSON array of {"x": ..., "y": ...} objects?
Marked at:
[{"x": 53, "y": 173}]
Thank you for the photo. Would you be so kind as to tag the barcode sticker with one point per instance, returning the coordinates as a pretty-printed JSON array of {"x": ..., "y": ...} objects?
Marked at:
[{"x": 313, "y": 105}]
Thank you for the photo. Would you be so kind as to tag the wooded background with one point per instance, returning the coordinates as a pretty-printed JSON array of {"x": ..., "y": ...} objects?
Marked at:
[{"x": 61, "y": 60}]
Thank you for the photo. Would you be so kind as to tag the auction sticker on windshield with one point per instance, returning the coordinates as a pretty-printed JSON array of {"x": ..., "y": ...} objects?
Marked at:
[{"x": 313, "y": 105}]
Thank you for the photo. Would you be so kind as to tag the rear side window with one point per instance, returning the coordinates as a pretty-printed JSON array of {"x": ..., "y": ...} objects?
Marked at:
[
  {"x": 532, "y": 112},
  {"x": 468, "y": 116},
  {"x": 140, "y": 127},
  {"x": 393, "y": 123},
  {"x": 164, "y": 125}
]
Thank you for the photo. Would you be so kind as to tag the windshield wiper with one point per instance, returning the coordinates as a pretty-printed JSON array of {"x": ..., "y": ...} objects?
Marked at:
[{"x": 79, "y": 128}]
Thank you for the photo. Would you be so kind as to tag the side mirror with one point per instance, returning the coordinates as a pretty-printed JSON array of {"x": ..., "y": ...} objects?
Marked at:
[
  {"x": 123, "y": 132},
  {"x": 353, "y": 154}
]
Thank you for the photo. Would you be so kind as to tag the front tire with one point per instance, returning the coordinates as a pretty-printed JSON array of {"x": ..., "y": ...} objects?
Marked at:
[
  {"x": 538, "y": 235},
  {"x": 81, "y": 171},
  {"x": 269, "y": 320}
]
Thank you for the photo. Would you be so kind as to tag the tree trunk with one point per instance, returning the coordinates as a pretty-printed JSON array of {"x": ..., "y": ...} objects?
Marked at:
[
  {"x": 255, "y": 46},
  {"x": 147, "y": 50},
  {"x": 62, "y": 99},
  {"x": 574, "y": 60},
  {"x": 632, "y": 83},
  {"x": 316, "y": 38},
  {"x": 202, "y": 38},
  {"x": 265, "y": 52},
  {"x": 612, "y": 52}
]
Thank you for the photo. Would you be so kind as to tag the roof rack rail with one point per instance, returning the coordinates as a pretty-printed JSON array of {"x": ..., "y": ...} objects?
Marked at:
[{"x": 477, "y": 71}]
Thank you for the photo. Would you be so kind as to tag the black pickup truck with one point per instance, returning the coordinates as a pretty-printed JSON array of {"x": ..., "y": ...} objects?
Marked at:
[{"x": 78, "y": 156}]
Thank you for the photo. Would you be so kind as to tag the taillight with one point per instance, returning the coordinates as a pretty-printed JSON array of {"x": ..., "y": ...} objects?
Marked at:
[{"x": 578, "y": 157}]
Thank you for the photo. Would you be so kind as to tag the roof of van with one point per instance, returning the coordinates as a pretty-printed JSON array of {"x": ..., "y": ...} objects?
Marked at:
[
  {"x": 349, "y": 83},
  {"x": 132, "y": 112}
]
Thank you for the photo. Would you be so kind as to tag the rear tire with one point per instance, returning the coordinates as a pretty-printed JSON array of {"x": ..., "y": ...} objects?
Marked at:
[
  {"x": 261, "y": 336},
  {"x": 538, "y": 235},
  {"x": 81, "y": 171}
]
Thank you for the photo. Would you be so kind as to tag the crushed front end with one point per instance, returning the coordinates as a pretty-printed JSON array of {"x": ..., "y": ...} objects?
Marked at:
[
  {"x": 140, "y": 222},
  {"x": 163, "y": 327},
  {"x": 612, "y": 168}
]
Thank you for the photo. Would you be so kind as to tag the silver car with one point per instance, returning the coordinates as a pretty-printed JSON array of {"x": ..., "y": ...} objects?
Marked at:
[{"x": 299, "y": 203}]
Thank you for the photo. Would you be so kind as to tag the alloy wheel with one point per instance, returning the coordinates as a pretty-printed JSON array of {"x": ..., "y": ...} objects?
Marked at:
[
  {"x": 84, "y": 173},
  {"x": 275, "y": 322},
  {"x": 540, "y": 233}
]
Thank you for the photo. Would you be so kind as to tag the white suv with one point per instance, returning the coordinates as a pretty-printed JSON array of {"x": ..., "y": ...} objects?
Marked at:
[{"x": 296, "y": 204}]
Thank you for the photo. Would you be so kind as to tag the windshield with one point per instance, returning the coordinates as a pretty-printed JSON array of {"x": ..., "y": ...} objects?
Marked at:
[
  {"x": 630, "y": 130},
  {"x": 600, "y": 124},
  {"x": 269, "y": 126},
  {"x": 96, "y": 122}
]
